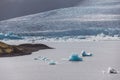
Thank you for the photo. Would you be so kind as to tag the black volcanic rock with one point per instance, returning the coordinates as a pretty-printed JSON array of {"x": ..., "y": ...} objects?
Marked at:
[{"x": 19, "y": 50}]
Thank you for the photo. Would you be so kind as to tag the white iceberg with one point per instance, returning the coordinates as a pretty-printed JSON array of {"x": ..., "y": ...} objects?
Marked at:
[
  {"x": 75, "y": 57},
  {"x": 112, "y": 71},
  {"x": 84, "y": 54}
]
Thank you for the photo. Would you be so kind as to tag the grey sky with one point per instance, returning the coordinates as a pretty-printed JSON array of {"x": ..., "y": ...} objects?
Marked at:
[{"x": 15, "y": 8}]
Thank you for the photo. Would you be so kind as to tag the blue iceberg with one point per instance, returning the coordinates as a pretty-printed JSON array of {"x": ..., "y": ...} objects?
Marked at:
[
  {"x": 84, "y": 54},
  {"x": 75, "y": 57},
  {"x": 9, "y": 36}
]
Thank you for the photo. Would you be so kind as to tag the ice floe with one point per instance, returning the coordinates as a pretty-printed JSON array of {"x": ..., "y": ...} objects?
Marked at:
[
  {"x": 45, "y": 59},
  {"x": 112, "y": 71},
  {"x": 52, "y": 62},
  {"x": 42, "y": 58},
  {"x": 84, "y": 54}
]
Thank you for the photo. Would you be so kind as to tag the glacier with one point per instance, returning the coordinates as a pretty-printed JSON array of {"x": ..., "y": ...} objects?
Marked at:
[
  {"x": 72, "y": 22},
  {"x": 9, "y": 36}
]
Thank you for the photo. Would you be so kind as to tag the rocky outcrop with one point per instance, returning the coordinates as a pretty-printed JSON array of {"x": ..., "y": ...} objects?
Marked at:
[{"x": 19, "y": 50}]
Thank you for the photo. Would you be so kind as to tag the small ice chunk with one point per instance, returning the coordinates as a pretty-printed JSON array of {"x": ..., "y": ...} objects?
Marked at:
[
  {"x": 84, "y": 54},
  {"x": 44, "y": 58},
  {"x": 52, "y": 63},
  {"x": 112, "y": 71},
  {"x": 75, "y": 57},
  {"x": 35, "y": 58}
]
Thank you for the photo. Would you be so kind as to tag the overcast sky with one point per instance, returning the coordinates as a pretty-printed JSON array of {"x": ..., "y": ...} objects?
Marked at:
[{"x": 15, "y": 8}]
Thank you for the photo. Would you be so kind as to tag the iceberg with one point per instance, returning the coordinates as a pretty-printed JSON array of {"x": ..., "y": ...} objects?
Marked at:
[
  {"x": 52, "y": 62},
  {"x": 112, "y": 71},
  {"x": 9, "y": 36},
  {"x": 75, "y": 57},
  {"x": 84, "y": 54}
]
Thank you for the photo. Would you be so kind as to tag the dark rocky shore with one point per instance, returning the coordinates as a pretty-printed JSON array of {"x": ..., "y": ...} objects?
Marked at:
[{"x": 7, "y": 50}]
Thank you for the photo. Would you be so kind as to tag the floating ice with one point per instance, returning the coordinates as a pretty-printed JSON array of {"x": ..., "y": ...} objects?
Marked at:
[
  {"x": 42, "y": 58},
  {"x": 45, "y": 59},
  {"x": 75, "y": 57},
  {"x": 9, "y": 36},
  {"x": 35, "y": 58},
  {"x": 112, "y": 71},
  {"x": 84, "y": 54},
  {"x": 52, "y": 62}
]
